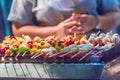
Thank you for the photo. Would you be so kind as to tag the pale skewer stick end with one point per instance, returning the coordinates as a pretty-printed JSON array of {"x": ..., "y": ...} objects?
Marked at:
[
  {"x": 54, "y": 55},
  {"x": 38, "y": 55},
  {"x": 98, "y": 33},
  {"x": 75, "y": 34},
  {"x": 65, "y": 54},
  {"x": 33, "y": 56},
  {"x": 75, "y": 55},
  {"x": 24, "y": 54},
  {"x": 85, "y": 56},
  {"x": 16, "y": 57}
]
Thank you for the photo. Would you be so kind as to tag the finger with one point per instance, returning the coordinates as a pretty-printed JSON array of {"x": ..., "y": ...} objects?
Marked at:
[
  {"x": 76, "y": 28},
  {"x": 79, "y": 32},
  {"x": 79, "y": 28},
  {"x": 74, "y": 15},
  {"x": 83, "y": 18},
  {"x": 71, "y": 24},
  {"x": 68, "y": 20},
  {"x": 70, "y": 30}
]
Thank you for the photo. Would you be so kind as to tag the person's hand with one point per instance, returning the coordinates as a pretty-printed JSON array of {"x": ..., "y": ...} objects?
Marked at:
[
  {"x": 68, "y": 27},
  {"x": 87, "y": 22}
]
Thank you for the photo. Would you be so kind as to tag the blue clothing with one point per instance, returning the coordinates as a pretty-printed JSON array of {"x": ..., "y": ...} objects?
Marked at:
[
  {"x": 51, "y": 12},
  {"x": 5, "y": 5},
  {"x": 2, "y": 26}
]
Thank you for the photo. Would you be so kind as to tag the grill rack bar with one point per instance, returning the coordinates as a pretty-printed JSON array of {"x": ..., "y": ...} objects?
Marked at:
[
  {"x": 54, "y": 59},
  {"x": 50, "y": 71}
]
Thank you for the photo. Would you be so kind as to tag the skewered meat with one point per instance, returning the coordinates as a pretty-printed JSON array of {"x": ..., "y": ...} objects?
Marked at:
[
  {"x": 115, "y": 38},
  {"x": 55, "y": 47}
]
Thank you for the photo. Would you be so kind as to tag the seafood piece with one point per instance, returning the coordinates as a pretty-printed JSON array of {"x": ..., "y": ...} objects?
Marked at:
[
  {"x": 92, "y": 38},
  {"x": 99, "y": 39},
  {"x": 108, "y": 37},
  {"x": 106, "y": 47},
  {"x": 85, "y": 48},
  {"x": 52, "y": 50},
  {"x": 102, "y": 35},
  {"x": 72, "y": 50},
  {"x": 115, "y": 38},
  {"x": 68, "y": 48}
]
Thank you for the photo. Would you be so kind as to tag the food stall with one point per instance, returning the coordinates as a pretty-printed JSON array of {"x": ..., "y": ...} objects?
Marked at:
[{"x": 71, "y": 57}]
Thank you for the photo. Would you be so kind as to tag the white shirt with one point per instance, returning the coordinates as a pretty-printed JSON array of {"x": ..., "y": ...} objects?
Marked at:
[{"x": 52, "y": 12}]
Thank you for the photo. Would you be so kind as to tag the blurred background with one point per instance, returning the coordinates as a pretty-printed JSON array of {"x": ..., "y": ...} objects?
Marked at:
[{"x": 5, "y": 26}]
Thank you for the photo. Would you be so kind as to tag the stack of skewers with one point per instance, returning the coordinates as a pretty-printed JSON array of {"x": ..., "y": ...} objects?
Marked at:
[{"x": 69, "y": 49}]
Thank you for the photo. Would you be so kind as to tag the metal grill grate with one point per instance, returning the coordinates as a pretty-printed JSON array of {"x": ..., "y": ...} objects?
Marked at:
[{"x": 30, "y": 71}]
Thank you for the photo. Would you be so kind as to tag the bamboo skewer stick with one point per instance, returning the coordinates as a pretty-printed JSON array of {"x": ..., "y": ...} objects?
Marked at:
[
  {"x": 98, "y": 52},
  {"x": 34, "y": 55},
  {"x": 24, "y": 54},
  {"x": 65, "y": 54},
  {"x": 16, "y": 57},
  {"x": 38, "y": 55},
  {"x": 98, "y": 33},
  {"x": 75, "y": 55},
  {"x": 11, "y": 59},
  {"x": 11, "y": 54},
  {"x": 85, "y": 55},
  {"x": 54, "y": 55}
]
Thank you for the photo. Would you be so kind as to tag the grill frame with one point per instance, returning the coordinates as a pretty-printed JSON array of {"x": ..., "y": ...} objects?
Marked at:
[{"x": 30, "y": 71}]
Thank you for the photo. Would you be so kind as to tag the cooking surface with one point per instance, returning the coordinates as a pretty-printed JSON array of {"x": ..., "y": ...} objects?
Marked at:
[{"x": 30, "y": 71}]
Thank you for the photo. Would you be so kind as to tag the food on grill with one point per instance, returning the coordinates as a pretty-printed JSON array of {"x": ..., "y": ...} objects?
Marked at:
[{"x": 54, "y": 48}]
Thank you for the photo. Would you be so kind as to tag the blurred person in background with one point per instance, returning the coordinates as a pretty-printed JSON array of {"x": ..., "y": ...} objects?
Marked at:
[
  {"x": 2, "y": 25},
  {"x": 62, "y": 17},
  {"x": 5, "y": 5},
  {"x": 118, "y": 28}
]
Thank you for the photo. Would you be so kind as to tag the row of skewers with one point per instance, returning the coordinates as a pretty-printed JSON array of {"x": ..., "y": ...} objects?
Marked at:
[{"x": 56, "y": 49}]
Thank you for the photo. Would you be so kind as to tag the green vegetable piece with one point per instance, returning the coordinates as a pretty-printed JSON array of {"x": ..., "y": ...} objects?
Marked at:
[
  {"x": 13, "y": 51},
  {"x": 22, "y": 50},
  {"x": 42, "y": 39}
]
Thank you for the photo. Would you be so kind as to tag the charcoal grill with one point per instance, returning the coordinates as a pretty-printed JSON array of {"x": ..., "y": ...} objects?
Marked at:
[{"x": 45, "y": 71}]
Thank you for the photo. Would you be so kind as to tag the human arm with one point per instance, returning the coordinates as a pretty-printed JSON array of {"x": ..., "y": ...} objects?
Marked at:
[
  {"x": 23, "y": 21},
  {"x": 61, "y": 29},
  {"x": 107, "y": 21},
  {"x": 110, "y": 20},
  {"x": 108, "y": 16}
]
